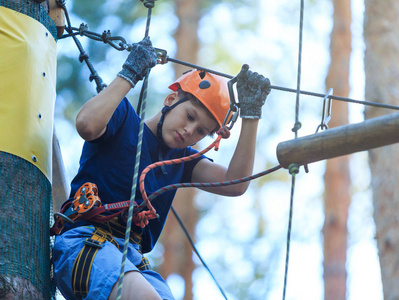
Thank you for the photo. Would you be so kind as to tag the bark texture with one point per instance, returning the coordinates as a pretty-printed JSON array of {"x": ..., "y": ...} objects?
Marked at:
[
  {"x": 382, "y": 72},
  {"x": 336, "y": 178}
]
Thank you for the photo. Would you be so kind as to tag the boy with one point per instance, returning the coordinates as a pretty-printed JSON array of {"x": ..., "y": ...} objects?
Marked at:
[{"x": 196, "y": 107}]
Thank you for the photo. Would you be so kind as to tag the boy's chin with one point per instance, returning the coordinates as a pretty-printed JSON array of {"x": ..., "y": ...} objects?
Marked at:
[{"x": 174, "y": 145}]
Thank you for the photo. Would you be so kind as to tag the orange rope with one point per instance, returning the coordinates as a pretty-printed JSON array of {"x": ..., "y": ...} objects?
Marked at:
[{"x": 142, "y": 218}]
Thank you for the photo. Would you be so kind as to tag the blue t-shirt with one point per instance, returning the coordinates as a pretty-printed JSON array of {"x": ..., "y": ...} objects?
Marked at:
[{"x": 109, "y": 163}]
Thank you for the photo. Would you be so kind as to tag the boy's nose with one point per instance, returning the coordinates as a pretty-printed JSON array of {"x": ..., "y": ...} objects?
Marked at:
[{"x": 189, "y": 129}]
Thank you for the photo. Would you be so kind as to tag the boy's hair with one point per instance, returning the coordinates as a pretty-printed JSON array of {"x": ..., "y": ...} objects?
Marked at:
[{"x": 199, "y": 104}]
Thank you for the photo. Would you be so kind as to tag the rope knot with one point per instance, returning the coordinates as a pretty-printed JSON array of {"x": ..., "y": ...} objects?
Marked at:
[
  {"x": 296, "y": 127},
  {"x": 224, "y": 132},
  {"x": 142, "y": 218}
]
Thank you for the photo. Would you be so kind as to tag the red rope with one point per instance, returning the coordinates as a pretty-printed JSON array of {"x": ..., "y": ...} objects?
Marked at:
[{"x": 142, "y": 219}]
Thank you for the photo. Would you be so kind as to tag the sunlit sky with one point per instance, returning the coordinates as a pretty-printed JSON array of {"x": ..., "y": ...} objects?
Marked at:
[{"x": 274, "y": 43}]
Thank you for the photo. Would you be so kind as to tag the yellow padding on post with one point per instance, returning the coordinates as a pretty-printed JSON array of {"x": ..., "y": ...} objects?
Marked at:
[{"x": 28, "y": 59}]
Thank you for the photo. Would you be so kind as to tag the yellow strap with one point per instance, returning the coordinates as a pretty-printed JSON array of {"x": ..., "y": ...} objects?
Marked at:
[
  {"x": 28, "y": 58},
  {"x": 82, "y": 266}
]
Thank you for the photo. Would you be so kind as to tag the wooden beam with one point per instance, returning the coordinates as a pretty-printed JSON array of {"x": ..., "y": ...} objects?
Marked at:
[{"x": 338, "y": 141}]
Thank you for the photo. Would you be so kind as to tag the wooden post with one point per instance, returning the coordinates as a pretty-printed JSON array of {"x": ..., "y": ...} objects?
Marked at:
[
  {"x": 27, "y": 87},
  {"x": 338, "y": 141},
  {"x": 60, "y": 184},
  {"x": 58, "y": 16}
]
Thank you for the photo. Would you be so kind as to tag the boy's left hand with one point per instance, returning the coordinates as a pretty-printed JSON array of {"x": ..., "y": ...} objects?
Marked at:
[{"x": 252, "y": 89}]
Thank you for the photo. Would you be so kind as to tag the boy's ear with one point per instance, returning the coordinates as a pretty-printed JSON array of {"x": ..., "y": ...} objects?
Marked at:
[{"x": 171, "y": 98}]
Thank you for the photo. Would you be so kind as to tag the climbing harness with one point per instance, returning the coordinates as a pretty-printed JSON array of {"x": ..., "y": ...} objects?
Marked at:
[
  {"x": 103, "y": 232},
  {"x": 86, "y": 205},
  {"x": 83, "y": 262}
]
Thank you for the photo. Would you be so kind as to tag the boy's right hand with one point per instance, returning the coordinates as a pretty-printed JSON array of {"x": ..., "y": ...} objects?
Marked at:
[
  {"x": 252, "y": 89},
  {"x": 141, "y": 59}
]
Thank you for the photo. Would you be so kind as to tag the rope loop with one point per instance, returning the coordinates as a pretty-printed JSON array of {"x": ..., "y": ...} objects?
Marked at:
[
  {"x": 223, "y": 132},
  {"x": 296, "y": 127}
]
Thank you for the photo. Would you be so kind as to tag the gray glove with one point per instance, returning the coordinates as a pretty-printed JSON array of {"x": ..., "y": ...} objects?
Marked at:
[
  {"x": 252, "y": 90},
  {"x": 141, "y": 59}
]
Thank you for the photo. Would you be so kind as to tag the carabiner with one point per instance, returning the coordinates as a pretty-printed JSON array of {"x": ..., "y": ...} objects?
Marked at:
[{"x": 233, "y": 110}]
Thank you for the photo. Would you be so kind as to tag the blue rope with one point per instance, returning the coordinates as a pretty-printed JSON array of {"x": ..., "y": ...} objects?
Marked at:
[
  {"x": 196, "y": 251},
  {"x": 143, "y": 97}
]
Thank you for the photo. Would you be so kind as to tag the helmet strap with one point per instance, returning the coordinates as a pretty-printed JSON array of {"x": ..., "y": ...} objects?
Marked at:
[
  {"x": 162, "y": 145},
  {"x": 164, "y": 111}
]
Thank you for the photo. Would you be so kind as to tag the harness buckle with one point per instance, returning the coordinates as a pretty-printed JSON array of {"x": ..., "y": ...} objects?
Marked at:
[{"x": 93, "y": 243}]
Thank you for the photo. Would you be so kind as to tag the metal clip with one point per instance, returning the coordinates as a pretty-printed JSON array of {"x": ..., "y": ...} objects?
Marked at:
[
  {"x": 326, "y": 114},
  {"x": 233, "y": 110},
  {"x": 93, "y": 243},
  {"x": 162, "y": 56},
  {"x": 63, "y": 217}
]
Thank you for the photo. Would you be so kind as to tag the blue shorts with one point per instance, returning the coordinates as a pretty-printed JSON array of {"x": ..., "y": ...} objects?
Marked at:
[{"x": 106, "y": 267}]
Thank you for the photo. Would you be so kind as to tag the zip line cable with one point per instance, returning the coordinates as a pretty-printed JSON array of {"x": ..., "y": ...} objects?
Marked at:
[
  {"x": 297, "y": 124},
  {"x": 107, "y": 38},
  {"x": 285, "y": 89}
]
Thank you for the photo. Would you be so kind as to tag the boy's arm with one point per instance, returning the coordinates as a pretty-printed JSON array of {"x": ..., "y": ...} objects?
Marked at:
[
  {"x": 93, "y": 117},
  {"x": 252, "y": 91},
  {"x": 241, "y": 164}
]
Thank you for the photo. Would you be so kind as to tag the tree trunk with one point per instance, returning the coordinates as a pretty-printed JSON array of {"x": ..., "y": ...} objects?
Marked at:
[
  {"x": 178, "y": 251},
  {"x": 336, "y": 177},
  {"x": 27, "y": 88},
  {"x": 382, "y": 72}
]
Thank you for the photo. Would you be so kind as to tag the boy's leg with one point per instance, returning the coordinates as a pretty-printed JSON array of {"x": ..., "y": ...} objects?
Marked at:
[
  {"x": 105, "y": 269},
  {"x": 135, "y": 287}
]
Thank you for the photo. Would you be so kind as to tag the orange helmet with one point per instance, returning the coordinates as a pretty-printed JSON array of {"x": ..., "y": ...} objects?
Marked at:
[{"x": 208, "y": 88}]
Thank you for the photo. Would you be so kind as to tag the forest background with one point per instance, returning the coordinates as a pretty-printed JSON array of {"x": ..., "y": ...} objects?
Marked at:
[{"x": 243, "y": 239}]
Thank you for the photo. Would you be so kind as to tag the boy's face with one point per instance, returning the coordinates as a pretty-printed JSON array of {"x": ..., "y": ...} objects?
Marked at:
[{"x": 185, "y": 124}]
